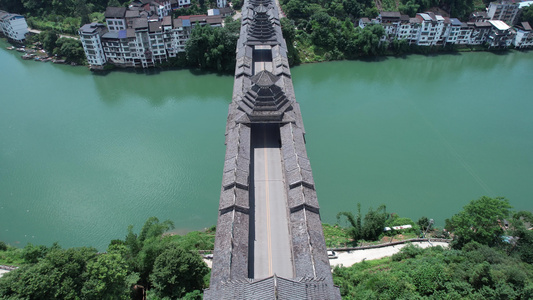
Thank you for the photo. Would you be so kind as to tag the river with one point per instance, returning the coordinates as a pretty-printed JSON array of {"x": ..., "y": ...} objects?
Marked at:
[{"x": 82, "y": 156}]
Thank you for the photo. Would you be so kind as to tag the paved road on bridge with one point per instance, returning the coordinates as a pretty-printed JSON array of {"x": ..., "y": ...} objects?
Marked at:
[{"x": 272, "y": 247}]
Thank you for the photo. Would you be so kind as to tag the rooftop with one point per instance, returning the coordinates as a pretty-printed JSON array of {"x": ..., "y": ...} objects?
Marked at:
[
  {"x": 115, "y": 12},
  {"x": 500, "y": 25},
  {"x": 91, "y": 28}
]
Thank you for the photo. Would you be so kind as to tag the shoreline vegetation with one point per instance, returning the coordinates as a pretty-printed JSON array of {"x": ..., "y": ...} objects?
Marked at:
[
  {"x": 315, "y": 31},
  {"x": 490, "y": 256}
]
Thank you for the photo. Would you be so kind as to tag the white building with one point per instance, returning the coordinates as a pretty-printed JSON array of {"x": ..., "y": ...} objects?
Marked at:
[
  {"x": 115, "y": 18},
  {"x": 139, "y": 36},
  {"x": 524, "y": 36},
  {"x": 13, "y": 26},
  {"x": 222, "y": 3},
  {"x": 90, "y": 37},
  {"x": 432, "y": 29},
  {"x": 504, "y": 10},
  {"x": 453, "y": 30},
  {"x": 500, "y": 35}
]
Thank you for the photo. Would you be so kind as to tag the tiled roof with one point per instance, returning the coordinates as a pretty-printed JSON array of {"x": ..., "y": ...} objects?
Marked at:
[
  {"x": 155, "y": 26},
  {"x": 140, "y": 23},
  {"x": 115, "y": 12}
]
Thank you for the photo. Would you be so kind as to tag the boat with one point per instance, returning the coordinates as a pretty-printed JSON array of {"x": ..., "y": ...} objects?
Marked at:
[
  {"x": 59, "y": 61},
  {"x": 21, "y": 50},
  {"x": 10, "y": 47},
  {"x": 27, "y": 56}
]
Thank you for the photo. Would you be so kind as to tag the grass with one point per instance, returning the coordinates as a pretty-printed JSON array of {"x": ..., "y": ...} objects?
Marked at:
[
  {"x": 197, "y": 240},
  {"x": 11, "y": 257},
  {"x": 336, "y": 236}
]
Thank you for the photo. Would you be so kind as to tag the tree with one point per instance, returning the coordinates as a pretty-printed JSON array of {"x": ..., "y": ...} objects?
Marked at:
[
  {"x": 108, "y": 277},
  {"x": 527, "y": 14},
  {"x": 113, "y": 3},
  {"x": 374, "y": 223},
  {"x": 71, "y": 49},
  {"x": 177, "y": 272},
  {"x": 424, "y": 224},
  {"x": 49, "y": 40},
  {"x": 479, "y": 221},
  {"x": 371, "y": 228},
  {"x": 355, "y": 222}
]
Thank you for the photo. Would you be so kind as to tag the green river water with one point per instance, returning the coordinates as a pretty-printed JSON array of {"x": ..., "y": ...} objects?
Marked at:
[{"x": 82, "y": 156}]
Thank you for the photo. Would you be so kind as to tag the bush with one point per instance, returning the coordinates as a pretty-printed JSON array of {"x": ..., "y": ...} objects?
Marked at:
[
  {"x": 409, "y": 251},
  {"x": 3, "y": 246}
]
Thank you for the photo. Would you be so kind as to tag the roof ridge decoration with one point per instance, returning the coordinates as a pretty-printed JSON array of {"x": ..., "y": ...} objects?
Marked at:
[{"x": 264, "y": 79}]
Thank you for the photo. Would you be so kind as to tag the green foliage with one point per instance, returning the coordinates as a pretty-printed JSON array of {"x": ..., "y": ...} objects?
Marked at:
[
  {"x": 480, "y": 221},
  {"x": 70, "y": 49},
  {"x": 149, "y": 258},
  {"x": 11, "y": 256},
  {"x": 409, "y": 8},
  {"x": 177, "y": 271},
  {"x": 527, "y": 14},
  {"x": 108, "y": 277},
  {"x": 423, "y": 222},
  {"x": 32, "y": 254},
  {"x": 336, "y": 236},
  {"x": 475, "y": 272},
  {"x": 3, "y": 246},
  {"x": 409, "y": 251},
  {"x": 372, "y": 226},
  {"x": 195, "y": 240},
  {"x": 49, "y": 40},
  {"x": 212, "y": 48}
]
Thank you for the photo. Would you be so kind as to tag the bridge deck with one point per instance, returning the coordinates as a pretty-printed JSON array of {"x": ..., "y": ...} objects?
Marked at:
[{"x": 271, "y": 245}]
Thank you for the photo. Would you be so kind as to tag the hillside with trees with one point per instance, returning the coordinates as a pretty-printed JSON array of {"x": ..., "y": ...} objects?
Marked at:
[{"x": 327, "y": 30}]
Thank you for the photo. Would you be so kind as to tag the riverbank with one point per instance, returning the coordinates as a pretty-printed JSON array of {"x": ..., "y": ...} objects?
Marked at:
[{"x": 347, "y": 258}]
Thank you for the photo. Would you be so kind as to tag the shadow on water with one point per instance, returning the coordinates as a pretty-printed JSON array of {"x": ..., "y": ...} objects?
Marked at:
[{"x": 171, "y": 85}]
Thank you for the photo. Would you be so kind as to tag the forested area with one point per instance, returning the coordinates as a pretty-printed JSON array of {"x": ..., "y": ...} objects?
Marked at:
[
  {"x": 148, "y": 261},
  {"x": 488, "y": 259},
  {"x": 323, "y": 30}
]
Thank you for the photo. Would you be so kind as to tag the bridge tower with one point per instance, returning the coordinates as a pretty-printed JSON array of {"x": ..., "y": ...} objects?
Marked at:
[{"x": 269, "y": 240}]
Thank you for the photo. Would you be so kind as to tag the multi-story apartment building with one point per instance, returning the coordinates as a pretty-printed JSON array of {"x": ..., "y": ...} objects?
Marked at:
[
  {"x": 431, "y": 30},
  {"x": 452, "y": 31},
  {"x": 504, "y": 10},
  {"x": 479, "y": 32},
  {"x": 175, "y": 4},
  {"x": 500, "y": 34},
  {"x": 428, "y": 29},
  {"x": 13, "y": 26},
  {"x": 90, "y": 37},
  {"x": 140, "y": 36},
  {"x": 524, "y": 35},
  {"x": 115, "y": 18}
]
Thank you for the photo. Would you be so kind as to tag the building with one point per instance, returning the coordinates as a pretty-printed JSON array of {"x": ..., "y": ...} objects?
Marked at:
[
  {"x": 115, "y": 18},
  {"x": 500, "y": 35},
  {"x": 142, "y": 35},
  {"x": 504, "y": 10},
  {"x": 524, "y": 36},
  {"x": 90, "y": 37},
  {"x": 479, "y": 32},
  {"x": 431, "y": 30},
  {"x": 13, "y": 26},
  {"x": 222, "y": 3}
]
